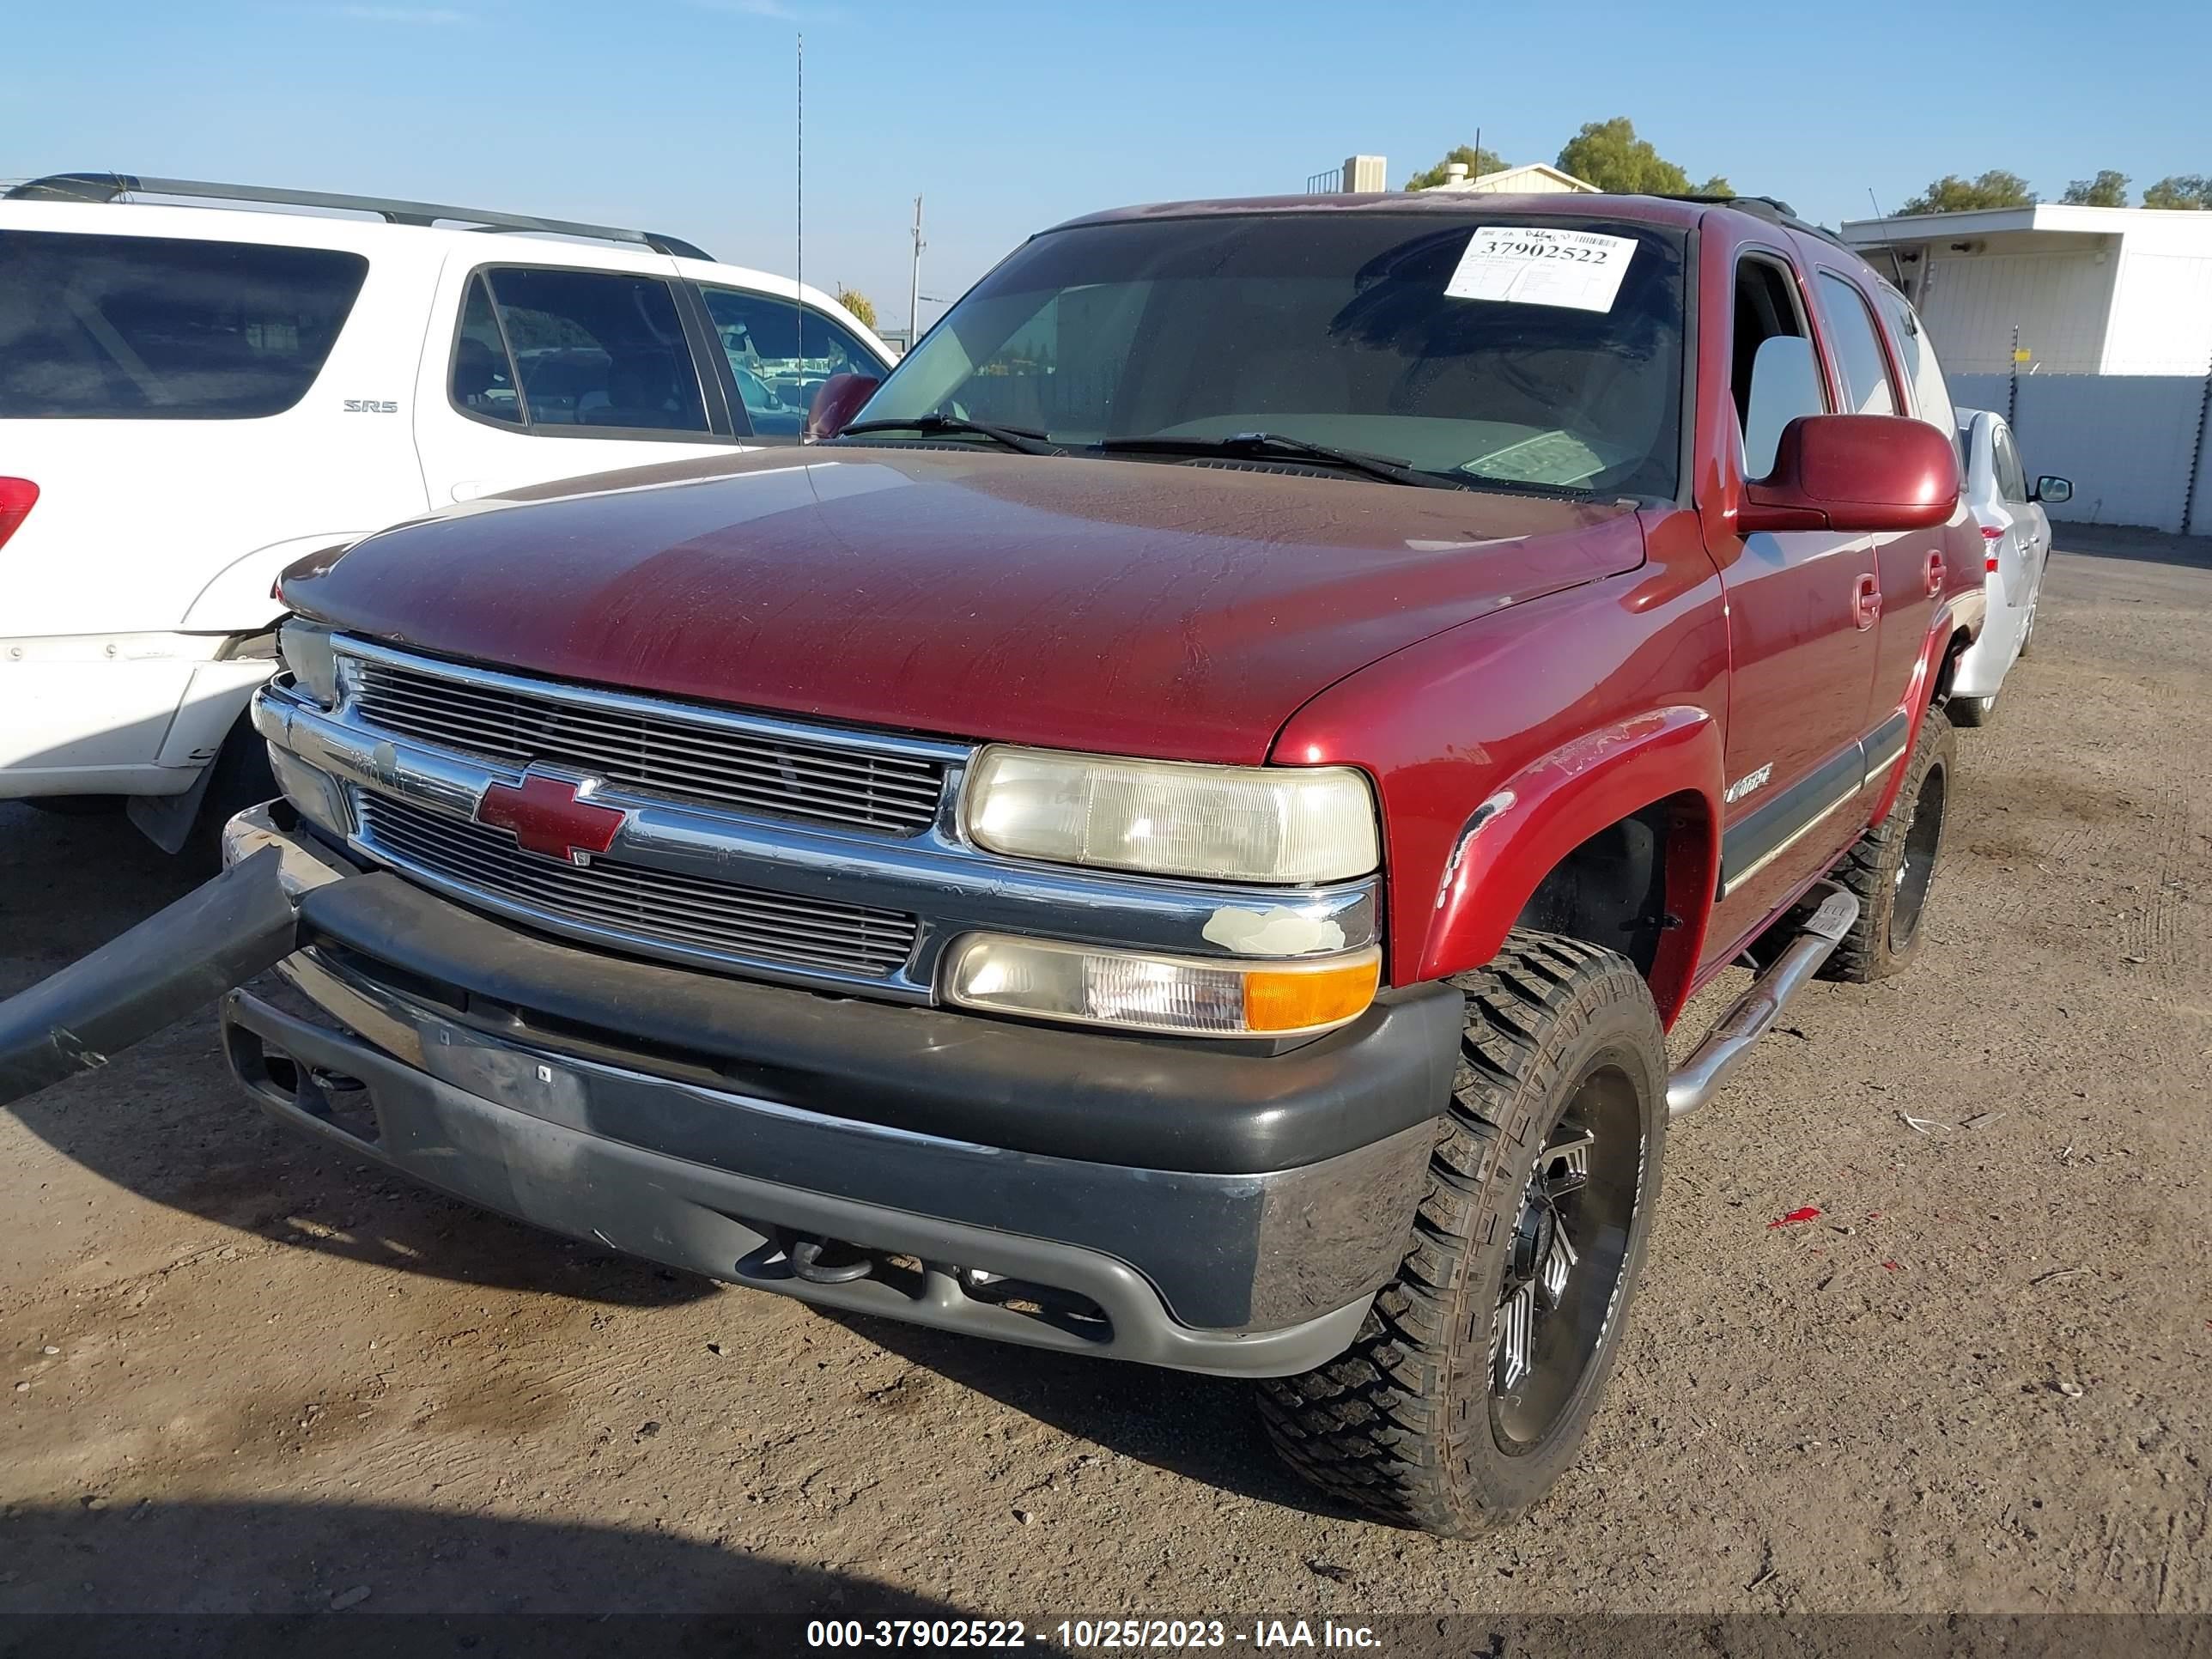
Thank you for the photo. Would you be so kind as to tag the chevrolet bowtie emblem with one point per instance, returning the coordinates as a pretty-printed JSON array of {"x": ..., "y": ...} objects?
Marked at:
[{"x": 551, "y": 816}]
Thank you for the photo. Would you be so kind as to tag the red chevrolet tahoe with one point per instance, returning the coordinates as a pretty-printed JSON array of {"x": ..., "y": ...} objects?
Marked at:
[{"x": 1174, "y": 828}]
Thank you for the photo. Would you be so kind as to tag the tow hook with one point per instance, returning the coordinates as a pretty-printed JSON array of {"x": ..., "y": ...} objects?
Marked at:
[{"x": 821, "y": 1260}]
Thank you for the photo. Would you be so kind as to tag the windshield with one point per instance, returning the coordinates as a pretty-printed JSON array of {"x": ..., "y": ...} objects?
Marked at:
[{"x": 1542, "y": 351}]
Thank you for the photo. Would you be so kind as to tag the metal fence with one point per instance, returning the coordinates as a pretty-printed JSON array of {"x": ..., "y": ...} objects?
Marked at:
[{"x": 2137, "y": 447}]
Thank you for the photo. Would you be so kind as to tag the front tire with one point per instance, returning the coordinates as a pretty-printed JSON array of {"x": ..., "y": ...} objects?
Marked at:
[
  {"x": 1476, "y": 1373},
  {"x": 1891, "y": 868}
]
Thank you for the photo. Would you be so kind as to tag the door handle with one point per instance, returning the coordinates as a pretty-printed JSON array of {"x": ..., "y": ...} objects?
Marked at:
[
  {"x": 1934, "y": 574},
  {"x": 1866, "y": 603},
  {"x": 468, "y": 489}
]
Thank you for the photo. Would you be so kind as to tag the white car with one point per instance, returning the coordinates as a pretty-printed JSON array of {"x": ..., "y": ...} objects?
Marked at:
[
  {"x": 194, "y": 396},
  {"x": 2016, "y": 541}
]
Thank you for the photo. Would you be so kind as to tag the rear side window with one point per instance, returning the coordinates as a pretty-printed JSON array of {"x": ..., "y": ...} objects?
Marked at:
[
  {"x": 2012, "y": 478},
  {"x": 551, "y": 351},
  {"x": 778, "y": 364},
  {"x": 483, "y": 373},
  {"x": 1867, "y": 389},
  {"x": 155, "y": 328},
  {"x": 1931, "y": 398}
]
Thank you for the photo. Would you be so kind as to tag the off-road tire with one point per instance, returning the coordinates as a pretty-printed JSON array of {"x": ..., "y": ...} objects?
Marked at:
[
  {"x": 1971, "y": 712},
  {"x": 1878, "y": 945},
  {"x": 1402, "y": 1424}
]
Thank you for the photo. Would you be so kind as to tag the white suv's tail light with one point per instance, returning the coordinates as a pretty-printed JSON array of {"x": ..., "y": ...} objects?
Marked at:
[{"x": 17, "y": 497}]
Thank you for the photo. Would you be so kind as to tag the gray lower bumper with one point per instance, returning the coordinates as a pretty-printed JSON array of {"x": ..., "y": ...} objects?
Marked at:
[{"x": 1134, "y": 1264}]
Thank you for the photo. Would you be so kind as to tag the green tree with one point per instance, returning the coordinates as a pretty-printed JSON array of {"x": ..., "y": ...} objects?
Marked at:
[
  {"x": 858, "y": 304},
  {"x": 1609, "y": 155},
  {"x": 2181, "y": 189},
  {"x": 1952, "y": 194},
  {"x": 1479, "y": 161},
  {"x": 2107, "y": 189}
]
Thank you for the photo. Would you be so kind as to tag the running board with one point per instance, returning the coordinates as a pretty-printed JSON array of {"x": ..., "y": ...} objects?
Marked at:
[{"x": 1755, "y": 1012}]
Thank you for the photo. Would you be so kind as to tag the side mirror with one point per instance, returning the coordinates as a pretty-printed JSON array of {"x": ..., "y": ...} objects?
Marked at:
[
  {"x": 2052, "y": 489},
  {"x": 1855, "y": 473},
  {"x": 836, "y": 400}
]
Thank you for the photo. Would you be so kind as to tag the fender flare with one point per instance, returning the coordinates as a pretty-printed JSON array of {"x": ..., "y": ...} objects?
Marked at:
[
  {"x": 1919, "y": 697},
  {"x": 1532, "y": 819}
]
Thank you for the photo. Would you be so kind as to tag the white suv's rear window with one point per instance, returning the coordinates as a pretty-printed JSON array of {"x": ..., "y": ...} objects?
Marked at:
[{"x": 150, "y": 328}]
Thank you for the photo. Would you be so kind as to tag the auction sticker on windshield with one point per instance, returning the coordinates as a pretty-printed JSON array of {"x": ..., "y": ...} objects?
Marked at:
[{"x": 1539, "y": 265}]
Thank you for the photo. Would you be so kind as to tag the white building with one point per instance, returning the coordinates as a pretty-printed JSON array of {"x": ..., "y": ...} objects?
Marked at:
[
  {"x": 1532, "y": 179},
  {"x": 2091, "y": 290}
]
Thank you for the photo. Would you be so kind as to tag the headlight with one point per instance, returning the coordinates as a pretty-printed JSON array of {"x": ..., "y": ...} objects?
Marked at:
[
  {"x": 305, "y": 647},
  {"x": 1273, "y": 823},
  {"x": 1190, "y": 996}
]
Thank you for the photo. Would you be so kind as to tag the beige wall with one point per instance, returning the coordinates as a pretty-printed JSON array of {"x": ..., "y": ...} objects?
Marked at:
[{"x": 1971, "y": 301}]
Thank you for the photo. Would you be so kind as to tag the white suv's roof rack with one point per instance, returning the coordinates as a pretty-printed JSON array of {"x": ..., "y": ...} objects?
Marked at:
[{"x": 110, "y": 187}]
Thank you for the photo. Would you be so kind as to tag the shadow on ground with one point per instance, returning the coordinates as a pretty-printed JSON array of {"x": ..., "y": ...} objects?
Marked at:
[
  {"x": 284, "y": 1579},
  {"x": 165, "y": 1120},
  {"x": 1204, "y": 1428},
  {"x": 2143, "y": 546}
]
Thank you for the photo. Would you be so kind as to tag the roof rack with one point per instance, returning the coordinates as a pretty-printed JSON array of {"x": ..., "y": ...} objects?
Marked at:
[
  {"x": 1773, "y": 210},
  {"x": 108, "y": 186}
]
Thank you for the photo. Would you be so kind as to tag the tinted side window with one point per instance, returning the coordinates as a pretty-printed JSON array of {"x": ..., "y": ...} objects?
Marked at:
[
  {"x": 1775, "y": 377},
  {"x": 1867, "y": 389},
  {"x": 778, "y": 366},
  {"x": 594, "y": 349},
  {"x": 484, "y": 373},
  {"x": 1931, "y": 398},
  {"x": 155, "y": 328}
]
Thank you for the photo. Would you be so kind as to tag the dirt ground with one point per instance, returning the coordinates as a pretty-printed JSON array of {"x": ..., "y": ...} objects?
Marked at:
[{"x": 240, "y": 1374}]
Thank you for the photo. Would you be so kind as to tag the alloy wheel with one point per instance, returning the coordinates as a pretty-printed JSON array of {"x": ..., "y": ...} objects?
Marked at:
[
  {"x": 1563, "y": 1265},
  {"x": 1916, "y": 871}
]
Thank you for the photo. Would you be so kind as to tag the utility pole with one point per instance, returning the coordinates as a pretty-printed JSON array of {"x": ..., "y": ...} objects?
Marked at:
[{"x": 913, "y": 288}]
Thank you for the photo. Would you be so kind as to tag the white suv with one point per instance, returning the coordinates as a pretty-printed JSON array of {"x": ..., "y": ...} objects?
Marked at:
[{"x": 193, "y": 397}]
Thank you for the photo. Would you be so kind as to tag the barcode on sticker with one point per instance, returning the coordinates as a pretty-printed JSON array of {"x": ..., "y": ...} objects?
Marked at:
[{"x": 1538, "y": 266}]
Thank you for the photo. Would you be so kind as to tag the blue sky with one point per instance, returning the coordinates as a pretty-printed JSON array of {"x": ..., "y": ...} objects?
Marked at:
[{"x": 677, "y": 113}]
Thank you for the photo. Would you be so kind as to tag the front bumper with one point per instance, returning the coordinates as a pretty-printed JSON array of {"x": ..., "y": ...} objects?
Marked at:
[{"x": 1167, "y": 1203}]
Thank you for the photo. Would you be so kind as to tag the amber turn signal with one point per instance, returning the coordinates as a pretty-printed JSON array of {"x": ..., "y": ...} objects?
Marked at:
[
  {"x": 1188, "y": 996},
  {"x": 1299, "y": 1001}
]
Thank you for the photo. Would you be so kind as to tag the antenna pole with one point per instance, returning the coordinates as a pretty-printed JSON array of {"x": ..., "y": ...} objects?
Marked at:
[
  {"x": 913, "y": 289},
  {"x": 798, "y": 300},
  {"x": 1896, "y": 265}
]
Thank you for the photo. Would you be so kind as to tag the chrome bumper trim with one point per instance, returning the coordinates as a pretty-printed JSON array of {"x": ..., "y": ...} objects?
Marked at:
[{"x": 300, "y": 866}]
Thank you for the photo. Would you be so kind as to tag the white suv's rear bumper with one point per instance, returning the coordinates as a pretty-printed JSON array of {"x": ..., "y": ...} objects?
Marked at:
[{"x": 125, "y": 714}]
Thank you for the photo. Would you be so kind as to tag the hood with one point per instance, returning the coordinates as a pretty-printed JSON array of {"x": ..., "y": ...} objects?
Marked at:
[{"x": 1173, "y": 611}]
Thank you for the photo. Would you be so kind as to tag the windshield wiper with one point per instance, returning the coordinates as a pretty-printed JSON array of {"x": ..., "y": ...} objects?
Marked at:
[
  {"x": 1274, "y": 446},
  {"x": 1025, "y": 439}
]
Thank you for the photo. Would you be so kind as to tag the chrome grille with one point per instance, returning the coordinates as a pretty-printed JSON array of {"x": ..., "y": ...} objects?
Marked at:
[
  {"x": 657, "y": 748},
  {"x": 655, "y": 909}
]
